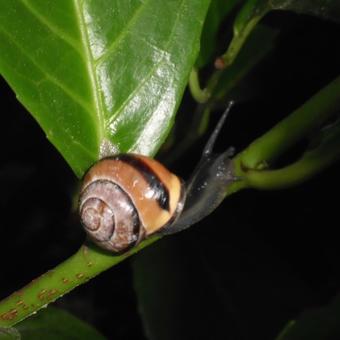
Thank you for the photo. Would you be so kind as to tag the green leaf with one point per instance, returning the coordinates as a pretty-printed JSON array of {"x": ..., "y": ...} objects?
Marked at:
[
  {"x": 200, "y": 285},
  {"x": 325, "y": 9},
  {"x": 100, "y": 76},
  {"x": 55, "y": 324},
  {"x": 176, "y": 299},
  {"x": 9, "y": 334},
  {"x": 254, "y": 10},
  {"x": 317, "y": 324}
]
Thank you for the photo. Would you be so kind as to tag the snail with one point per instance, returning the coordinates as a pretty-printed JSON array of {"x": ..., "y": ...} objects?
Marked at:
[{"x": 126, "y": 198}]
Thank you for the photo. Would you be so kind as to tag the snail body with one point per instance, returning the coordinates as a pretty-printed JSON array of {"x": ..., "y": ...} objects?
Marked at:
[{"x": 126, "y": 198}]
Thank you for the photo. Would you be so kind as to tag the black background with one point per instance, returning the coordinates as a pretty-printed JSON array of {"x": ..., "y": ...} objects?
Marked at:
[{"x": 276, "y": 255}]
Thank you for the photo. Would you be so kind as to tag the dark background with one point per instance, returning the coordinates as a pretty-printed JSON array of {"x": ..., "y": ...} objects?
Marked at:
[{"x": 258, "y": 261}]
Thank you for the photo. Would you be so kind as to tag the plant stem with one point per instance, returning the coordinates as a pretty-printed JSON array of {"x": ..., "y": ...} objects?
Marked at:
[
  {"x": 251, "y": 164},
  {"x": 87, "y": 262},
  {"x": 248, "y": 17},
  {"x": 285, "y": 332},
  {"x": 200, "y": 95},
  {"x": 302, "y": 122},
  {"x": 309, "y": 165}
]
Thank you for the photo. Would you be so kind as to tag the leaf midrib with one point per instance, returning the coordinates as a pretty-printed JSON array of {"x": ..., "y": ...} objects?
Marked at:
[{"x": 90, "y": 65}]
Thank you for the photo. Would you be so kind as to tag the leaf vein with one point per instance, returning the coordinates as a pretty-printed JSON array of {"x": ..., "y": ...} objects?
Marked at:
[
  {"x": 135, "y": 15},
  {"x": 54, "y": 29},
  {"x": 47, "y": 75},
  {"x": 147, "y": 77}
]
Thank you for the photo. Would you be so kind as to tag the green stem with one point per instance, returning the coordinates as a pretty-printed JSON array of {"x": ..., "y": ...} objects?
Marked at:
[
  {"x": 302, "y": 122},
  {"x": 312, "y": 163},
  {"x": 248, "y": 17},
  {"x": 213, "y": 81},
  {"x": 201, "y": 96},
  {"x": 246, "y": 20},
  {"x": 251, "y": 164},
  {"x": 284, "y": 334},
  {"x": 87, "y": 262}
]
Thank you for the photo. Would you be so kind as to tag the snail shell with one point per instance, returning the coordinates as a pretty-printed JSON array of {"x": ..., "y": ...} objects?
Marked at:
[{"x": 126, "y": 198}]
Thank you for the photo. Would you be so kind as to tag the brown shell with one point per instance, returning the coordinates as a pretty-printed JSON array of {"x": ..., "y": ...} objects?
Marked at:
[{"x": 126, "y": 198}]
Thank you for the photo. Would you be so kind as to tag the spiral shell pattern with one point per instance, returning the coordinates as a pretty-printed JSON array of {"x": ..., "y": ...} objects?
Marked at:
[{"x": 126, "y": 198}]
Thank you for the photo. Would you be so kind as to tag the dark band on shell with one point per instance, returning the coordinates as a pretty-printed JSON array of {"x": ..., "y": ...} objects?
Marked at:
[
  {"x": 177, "y": 213},
  {"x": 154, "y": 181}
]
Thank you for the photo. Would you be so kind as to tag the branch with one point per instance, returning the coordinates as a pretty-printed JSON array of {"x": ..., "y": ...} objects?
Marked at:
[
  {"x": 251, "y": 165},
  {"x": 86, "y": 263}
]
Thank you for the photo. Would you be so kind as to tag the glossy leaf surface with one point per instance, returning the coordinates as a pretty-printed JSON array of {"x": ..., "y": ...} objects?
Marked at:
[{"x": 100, "y": 76}]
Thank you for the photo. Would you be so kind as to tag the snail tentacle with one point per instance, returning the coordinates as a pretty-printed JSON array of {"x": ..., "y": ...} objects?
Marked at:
[{"x": 207, "y": 186}]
